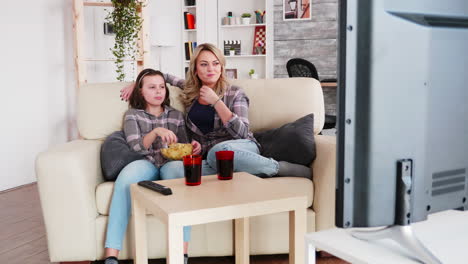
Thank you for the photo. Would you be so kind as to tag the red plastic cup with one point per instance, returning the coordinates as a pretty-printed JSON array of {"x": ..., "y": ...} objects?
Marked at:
[
  {"x": 192, "y": 169},
  {"x": 225, "y": 164}
]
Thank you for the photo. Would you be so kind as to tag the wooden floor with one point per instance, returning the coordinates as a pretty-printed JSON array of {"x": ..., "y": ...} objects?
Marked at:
[{"x": 23, "y": 239}]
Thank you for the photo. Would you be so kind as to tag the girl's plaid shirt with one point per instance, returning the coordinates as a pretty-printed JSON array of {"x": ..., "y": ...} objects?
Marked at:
[{"x": 138, "y": 123}]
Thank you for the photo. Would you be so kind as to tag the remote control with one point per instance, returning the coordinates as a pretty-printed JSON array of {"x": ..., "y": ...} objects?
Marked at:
[{"x": 156, "y": 187}]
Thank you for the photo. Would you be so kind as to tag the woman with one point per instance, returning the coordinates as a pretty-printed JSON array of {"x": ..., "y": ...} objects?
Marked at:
[{"x": 217, "y": 117}]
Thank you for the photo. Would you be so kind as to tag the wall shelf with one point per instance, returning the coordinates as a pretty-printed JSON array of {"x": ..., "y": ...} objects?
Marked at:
[
  {"x": 246, "y": 56},
  {"x": 238, "y": 26},
  {"x": 110, "y": 59},
  {"x": 106, "y": 4}
]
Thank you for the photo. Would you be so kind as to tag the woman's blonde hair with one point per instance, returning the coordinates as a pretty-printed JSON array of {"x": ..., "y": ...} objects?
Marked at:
[{"x": 193, "y": 83}]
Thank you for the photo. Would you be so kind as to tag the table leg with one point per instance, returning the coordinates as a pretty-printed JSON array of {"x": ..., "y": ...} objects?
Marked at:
[
  {"x": 140, "y": 251},
  {"x": 241, "y": 240},
  {"x": 175, "y": 244},
  {"x": 297, "y": 231},
  {"x": 310, "y": 254}
]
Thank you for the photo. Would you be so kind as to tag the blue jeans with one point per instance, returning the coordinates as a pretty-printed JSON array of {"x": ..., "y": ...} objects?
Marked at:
[
  {"x": 247, "y": 158},
  {"x": 119, "y": 214}
]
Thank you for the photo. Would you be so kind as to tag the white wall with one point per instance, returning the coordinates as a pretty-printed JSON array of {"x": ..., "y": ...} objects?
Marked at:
[
  {"x": 168, "y": 14},
  {"x": 37, "y": 84}
]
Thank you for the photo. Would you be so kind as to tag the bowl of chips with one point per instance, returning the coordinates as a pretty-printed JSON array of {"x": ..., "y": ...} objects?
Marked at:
[{"x": 176, "y": 151}]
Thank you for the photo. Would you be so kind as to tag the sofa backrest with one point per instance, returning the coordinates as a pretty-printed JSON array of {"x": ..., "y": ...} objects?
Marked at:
[{"x": 273, "y": 102}]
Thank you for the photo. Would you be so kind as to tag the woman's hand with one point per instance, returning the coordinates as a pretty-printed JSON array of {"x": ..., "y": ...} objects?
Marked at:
[
  {"x": 208, "y": 95},
  {"x": 126, "y": 91},
  {"x": 167, "y": 136},
  {"x": 196, "y": 147}
]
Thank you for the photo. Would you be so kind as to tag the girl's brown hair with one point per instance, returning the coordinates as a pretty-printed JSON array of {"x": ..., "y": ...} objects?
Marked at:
[
  {"x": 136, "y": 99},
  {"x": 193, "y": 83}
]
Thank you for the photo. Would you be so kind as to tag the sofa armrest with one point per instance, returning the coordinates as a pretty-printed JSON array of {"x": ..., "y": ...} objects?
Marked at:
[
  {"x": 67, "y": 176},
  {"x": 324, "y": 179}
]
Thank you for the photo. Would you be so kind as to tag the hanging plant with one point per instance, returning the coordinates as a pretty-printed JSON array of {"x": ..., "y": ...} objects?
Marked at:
[{"x": 127, "y": 24}]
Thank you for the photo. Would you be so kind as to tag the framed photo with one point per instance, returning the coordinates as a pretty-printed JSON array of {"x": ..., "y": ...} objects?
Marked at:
[
  {"x": 296, "y": 10},
  {"x": 231, "y": 73},
  {"x": 108, "y": 29}
]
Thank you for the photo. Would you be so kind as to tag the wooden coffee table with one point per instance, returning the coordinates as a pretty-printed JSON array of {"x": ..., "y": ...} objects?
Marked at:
[{"x": 240, "y": 198}]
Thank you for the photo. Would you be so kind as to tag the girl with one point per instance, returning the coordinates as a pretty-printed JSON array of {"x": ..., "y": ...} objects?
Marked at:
[{"x": 149, "y": 124}]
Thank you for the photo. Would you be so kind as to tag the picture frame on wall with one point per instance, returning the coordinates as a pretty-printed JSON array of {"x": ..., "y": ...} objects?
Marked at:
[
  {"x": 108, "y": 29},
  {"x": 231, "y": 73},
  {"x": 297, "y": 10}
]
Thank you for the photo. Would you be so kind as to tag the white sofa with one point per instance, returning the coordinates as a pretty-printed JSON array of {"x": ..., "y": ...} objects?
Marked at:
[{"x": 75, "y": 199}]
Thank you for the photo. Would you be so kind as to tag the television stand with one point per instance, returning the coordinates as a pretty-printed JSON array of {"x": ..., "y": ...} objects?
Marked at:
[
  {"x": 445, "y": 234},
  {"x": 404, "y": 236}
]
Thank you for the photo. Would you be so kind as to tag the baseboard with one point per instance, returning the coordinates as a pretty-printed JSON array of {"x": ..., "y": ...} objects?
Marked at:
[{"x": 18, "y": 187}]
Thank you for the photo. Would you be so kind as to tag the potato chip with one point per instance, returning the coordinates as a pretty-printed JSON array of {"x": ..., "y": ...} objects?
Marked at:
[{"x": 176, "y": 151}]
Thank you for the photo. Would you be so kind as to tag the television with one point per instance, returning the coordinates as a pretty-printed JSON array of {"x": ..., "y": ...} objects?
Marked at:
[{"x": 402, "y": 139}]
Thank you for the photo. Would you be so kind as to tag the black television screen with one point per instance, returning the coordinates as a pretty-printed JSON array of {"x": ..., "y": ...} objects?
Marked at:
[{"x": 403, "y": 111}]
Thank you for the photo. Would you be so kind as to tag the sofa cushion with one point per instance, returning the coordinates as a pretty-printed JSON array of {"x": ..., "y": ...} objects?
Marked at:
[
  {"x": 301, "y": 185},
  {"x": 293, "y": 142},
  {"x": 115, "y": 155},
  {"x": 275, "y": 102}
]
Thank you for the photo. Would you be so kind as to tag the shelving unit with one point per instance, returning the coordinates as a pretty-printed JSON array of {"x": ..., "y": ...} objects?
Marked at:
[
  {"x": 188, "y": 35},
  {"x": 246, "y": 61},
  {"x": 79, "y": 32},
  {"x": 209, "y": 14}
]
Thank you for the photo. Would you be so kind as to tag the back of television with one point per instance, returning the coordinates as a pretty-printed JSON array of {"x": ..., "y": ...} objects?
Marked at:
[{"x": 403, "y": 131}]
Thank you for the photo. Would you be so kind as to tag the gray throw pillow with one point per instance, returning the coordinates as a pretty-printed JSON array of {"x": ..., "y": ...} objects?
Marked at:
[
  {"x": 115, "y": 155},
  {"x": 293, "y": 142}
]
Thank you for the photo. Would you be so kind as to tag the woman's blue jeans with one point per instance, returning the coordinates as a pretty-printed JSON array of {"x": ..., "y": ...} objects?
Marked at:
[
  {"x": 246, "y": 158},
  {"x": 120, "y": 209}
]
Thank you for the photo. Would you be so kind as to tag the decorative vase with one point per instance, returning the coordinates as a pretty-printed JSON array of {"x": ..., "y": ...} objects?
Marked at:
[
  {"x": 258, "y": 18},
  {"x": 259, "y": 50},
  {"x": 246, "y": 20},
  {"x": 254, "y": 76},
  {"x": 232, "y": 52}
]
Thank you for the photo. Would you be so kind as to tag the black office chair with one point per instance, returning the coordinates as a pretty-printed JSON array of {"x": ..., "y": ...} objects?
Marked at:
[
  {"x": 301, "y": 68},
  {"x": 298, "y": 67}
]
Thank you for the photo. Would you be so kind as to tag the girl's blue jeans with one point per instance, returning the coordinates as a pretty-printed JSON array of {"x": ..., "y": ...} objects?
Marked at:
[{"x": 120, "y": 209}]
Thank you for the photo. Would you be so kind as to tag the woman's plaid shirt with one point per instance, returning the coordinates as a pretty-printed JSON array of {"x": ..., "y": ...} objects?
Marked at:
[
  {"x": 138, "y": 123},
  {"x": 237, "y": 127}
]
